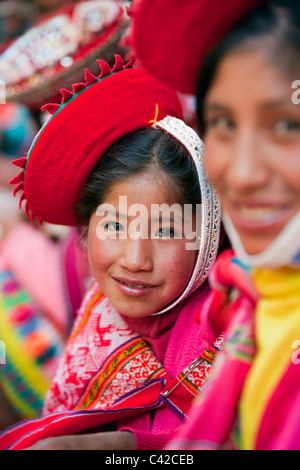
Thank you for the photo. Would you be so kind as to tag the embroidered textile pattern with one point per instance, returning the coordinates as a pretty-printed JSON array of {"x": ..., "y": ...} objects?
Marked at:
[
  {"x": 130, "y": 364},
  {"x": 240, "y": 343},
  {"x": 104, "y": 360},
  {"x": 179, "y": 393},
  {"x": 197, "y": 378}
]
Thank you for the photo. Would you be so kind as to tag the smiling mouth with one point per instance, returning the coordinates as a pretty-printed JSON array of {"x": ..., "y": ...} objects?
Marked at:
[
  {"x": 135, "y": 285},
  {"x": 259, "y": 213},
  {"x": 259, "y": 217}
]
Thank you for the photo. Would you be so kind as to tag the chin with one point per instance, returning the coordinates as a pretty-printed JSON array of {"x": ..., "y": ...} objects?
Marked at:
[
  {"x": 255, "y": 247},
  {"x": 130, "y": 313}
]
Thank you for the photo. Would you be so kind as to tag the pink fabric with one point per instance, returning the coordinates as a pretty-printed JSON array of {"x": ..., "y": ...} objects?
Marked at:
[
  {"x": 152, "y": 428},
  {"x": 214, "y": 414},
  {"x": 35, "y": 261},
  {"x": 56, "y": 275},
  {"x": 214, "y": 420},
  {"x": 184, "y": 345},
  {"x": 280, "y": 425},
  {"x": 75, "y": 271}
]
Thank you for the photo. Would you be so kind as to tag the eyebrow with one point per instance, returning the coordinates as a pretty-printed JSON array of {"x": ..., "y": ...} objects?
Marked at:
[
  {"x": 116, "y": 213},
  {"x": 215, "y": 107},
  {"x": 264, "y": 106},
  {"x": 178, "y": 218},
  {"x": 165, "y": 219},
  {"x": 276, "y": 104}
]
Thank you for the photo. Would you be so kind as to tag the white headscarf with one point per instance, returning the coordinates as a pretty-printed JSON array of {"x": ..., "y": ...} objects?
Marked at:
[{"x": 210, "y": 206}]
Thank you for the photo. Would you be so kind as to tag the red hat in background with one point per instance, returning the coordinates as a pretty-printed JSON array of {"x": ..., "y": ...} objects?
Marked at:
[
  {"x": 87, "y": 122},
  {"x": 172, "y": 37}
]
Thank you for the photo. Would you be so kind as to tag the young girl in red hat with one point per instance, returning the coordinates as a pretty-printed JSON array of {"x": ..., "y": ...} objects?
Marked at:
[
  {"x": 248, "y": 106},
  {"x": 114, "y": 152}
]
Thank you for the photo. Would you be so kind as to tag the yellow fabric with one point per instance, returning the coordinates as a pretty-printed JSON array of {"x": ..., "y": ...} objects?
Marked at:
[{"x": 277, "y": 326}]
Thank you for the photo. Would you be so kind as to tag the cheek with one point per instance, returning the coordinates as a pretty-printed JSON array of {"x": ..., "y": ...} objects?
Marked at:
[
  {"x": 291, "y": 172},
  {"x": 100, "y": 256},
  {"x": 178, "y": 265},
  {"x": 215, "y": 162}
]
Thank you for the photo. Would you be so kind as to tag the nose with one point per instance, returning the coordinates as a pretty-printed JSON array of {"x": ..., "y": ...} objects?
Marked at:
[
  {"x": 247, "y": 168},
  {"x": 137, "y": 255}
]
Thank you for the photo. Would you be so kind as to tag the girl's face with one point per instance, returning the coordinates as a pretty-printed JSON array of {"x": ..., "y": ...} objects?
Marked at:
[
  {"x": 136, "y": 259},
  {"x": 253, "y": 146}
]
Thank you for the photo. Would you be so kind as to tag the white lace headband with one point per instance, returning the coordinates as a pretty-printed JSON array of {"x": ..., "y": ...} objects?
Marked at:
[{"x": 210, "y": 206}]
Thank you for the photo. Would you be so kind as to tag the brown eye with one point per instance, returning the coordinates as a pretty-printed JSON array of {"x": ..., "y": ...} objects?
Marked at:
[
  {"x": 221, "y": 123},
  {"x": 287, "y": 125},
  {"x": 166, "y": 233},
  {"x": 114, "y": 227}
]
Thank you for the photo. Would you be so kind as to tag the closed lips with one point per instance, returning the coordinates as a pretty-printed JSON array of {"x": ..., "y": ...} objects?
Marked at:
[{"x": 135, "y": 284}]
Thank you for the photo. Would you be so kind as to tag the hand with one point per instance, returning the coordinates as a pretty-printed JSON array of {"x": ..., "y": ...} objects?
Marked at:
[{"x": 122, "y": 440}]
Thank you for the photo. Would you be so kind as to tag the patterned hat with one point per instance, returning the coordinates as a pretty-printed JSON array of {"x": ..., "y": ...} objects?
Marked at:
[
  {"x": 87, "y": 122},
  {"x": 172, "y": 37},
  {"x": 52, "y": 53}
]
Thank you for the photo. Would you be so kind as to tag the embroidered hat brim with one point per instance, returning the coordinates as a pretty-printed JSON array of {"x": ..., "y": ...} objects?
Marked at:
[
  {"x": 81, "y": 129},
  {"x": 172, "y": 37}
]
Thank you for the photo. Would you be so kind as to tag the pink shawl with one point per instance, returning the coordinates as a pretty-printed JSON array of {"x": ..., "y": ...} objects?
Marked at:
[{"x": 215, "y": 416}]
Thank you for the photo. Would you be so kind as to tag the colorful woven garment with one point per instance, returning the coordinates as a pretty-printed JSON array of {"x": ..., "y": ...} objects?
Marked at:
[
  {"x": 251, "y": 401},
  {"x": 108, "y": 372},
  {"x": 32, "y": 346},
  {"x": 104, "y": 360}
]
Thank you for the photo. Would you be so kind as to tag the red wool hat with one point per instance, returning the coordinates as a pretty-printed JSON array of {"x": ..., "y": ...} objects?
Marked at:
[
  {"x": 88, "y": 121},
  {"x": 172, "y": 37}
]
